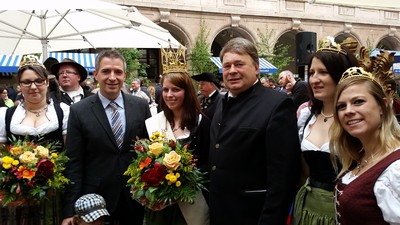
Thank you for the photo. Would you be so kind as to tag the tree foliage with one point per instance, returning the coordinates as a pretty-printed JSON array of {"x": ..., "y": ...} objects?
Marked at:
[
  {"x": 200, "y": 55},
  {"x": 134, "y": 67},
  {"x": 278, "y": 55}
]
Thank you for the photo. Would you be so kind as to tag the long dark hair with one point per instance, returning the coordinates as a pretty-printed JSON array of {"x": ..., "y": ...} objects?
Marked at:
[
  {"x": 336, "y": 63},
  {"x": 191, "y": 104}
]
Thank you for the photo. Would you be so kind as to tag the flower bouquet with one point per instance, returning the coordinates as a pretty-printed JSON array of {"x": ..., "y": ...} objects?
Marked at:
[
  {"x": 28, "y": 171},
  {"x": 163, "y": 173}
]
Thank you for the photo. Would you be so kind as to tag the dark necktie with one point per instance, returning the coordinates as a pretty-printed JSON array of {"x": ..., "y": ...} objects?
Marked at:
[{"x": 116, "y": 124}]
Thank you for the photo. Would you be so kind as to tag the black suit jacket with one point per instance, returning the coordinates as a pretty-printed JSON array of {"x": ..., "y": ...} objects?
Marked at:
[
  {"x": 96, "y": 163},
  {"x": 254, "y": 158}
]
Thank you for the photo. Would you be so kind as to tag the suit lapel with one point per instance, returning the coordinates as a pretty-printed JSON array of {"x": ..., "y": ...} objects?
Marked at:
[{"x": 100, "y": 114}]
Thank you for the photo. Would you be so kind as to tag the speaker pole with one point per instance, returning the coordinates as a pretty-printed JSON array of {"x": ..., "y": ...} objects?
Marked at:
[{"x": 301, "y": 71}]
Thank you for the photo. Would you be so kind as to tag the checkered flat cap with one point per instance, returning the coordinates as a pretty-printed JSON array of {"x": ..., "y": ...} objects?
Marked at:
[{"x": 91, "y": 207}]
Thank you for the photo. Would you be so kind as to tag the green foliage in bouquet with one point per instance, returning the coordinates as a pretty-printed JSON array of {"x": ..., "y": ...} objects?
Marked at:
[
  {"x": 28, "y": 171},
  {"x": 163, "y": 173}
]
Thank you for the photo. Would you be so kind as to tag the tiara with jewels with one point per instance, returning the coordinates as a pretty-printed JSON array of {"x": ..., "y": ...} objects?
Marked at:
[
  {"x": 329, "y": 44},
  {"x": 173, "y": 60},
  {"x": 359, "y": 72},
  {"x": 31, "y": 60},
  {"x": 377, "y": 68}
]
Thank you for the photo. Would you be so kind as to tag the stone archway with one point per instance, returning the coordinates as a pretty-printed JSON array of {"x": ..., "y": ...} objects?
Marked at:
[
  {"x": 289, "y": 38},
  {"x": 177, "y": 32},
  {"x": 152, "y": 57},
  {"x": 340, "y": 38},
  {"x": 389, "y": 43},
  {"x": 224, "y": 36}
]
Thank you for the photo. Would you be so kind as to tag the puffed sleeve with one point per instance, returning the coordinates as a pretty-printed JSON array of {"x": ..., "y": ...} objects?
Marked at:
[
  {"x": 304, "y": 114},
  {"x": 65, "y": 109},
  {"x": 3, "y": 132},
  {"x": 387, "y": 192}
]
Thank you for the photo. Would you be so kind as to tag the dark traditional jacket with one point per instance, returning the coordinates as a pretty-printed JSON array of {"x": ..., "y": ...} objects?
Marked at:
[
  {"x": 64, "y": 97},
  {"x": 254, "y": 158},
  {"x": 209, "y": 105}
]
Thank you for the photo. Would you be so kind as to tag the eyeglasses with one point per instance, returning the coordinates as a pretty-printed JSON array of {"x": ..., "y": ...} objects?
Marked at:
[
  {"x": 67, "y": 72},
  {"x": 28, "y": 83}
]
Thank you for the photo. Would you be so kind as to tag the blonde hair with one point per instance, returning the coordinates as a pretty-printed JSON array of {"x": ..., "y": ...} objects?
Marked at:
[
  {"x": 348, "y": 147},
  {"x": 152, "y": 92}
]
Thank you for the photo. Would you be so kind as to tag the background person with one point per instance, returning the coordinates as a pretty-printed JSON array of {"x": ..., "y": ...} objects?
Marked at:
[
  {"x": 272, "y": 85},
  {"x": 137, "y": 91},
  {"x": 153, "y": 105},
  {"x": 210, "y": 95},
  {"x": 367, "y": 138},
  {"x": 296, "y": 89},
  {"x": 264, "y": 82},
  {"x": 69, "y": 75},
  {"x": 4, "y": 95},
  {"x": 253, "y": 177},
  {"x": 92, "y": 144},
  {"x": 90, "y": 209}
]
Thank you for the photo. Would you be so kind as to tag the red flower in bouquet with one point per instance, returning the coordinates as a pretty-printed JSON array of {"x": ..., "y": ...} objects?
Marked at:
[
  {"x": 154, "y": 176},
  {"x": 28, "y": 171},
  {"x": 163, "y": 173},
  {"x": 45, "y": 168}
]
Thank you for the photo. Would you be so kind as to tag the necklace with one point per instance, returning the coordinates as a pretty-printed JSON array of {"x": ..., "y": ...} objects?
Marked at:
[
  {"x": 364, "y": 162},
  {"x": 325, "y": 116},
  {"x": 37, "y": 113}
]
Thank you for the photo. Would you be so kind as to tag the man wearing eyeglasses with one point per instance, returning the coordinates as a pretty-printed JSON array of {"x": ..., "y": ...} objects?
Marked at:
[{"x": 69, "y": 75}]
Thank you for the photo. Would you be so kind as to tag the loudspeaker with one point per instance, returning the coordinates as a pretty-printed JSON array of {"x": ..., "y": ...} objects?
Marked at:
[{"x": 306, "y": 45}]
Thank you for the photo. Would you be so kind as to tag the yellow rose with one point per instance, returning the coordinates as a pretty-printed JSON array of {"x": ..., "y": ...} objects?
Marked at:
[
  {"x": 27, "y": 157},
  {"x": 178, "y": 183},
  {"x": 171, "y": 160},
  {"x": 41, "y": 151},
  {"x": 156, "y": 148}
]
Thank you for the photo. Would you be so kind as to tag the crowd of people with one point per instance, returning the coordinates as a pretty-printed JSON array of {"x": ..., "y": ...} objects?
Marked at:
[{"x": 290, "y": 152}]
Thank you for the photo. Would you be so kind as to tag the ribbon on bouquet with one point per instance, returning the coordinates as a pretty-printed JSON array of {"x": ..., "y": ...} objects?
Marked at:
[{"x": 196, "y": 213}]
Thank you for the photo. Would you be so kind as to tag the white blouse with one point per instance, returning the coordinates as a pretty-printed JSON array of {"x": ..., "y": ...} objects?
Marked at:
[
  {"x": 306, "y": 145},
  {"x": 17, "y": 128},
  {"x": 387, "y": 192}
]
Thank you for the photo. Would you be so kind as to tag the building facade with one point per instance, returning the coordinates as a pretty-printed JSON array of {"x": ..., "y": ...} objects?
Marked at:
[{"x": 374, "y": 26}]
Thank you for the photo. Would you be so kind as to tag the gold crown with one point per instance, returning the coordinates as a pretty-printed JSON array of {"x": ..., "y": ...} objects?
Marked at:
[
  {"x": 31, "y": 60},
  {"x": 173, "y": 60},
  {"x": 377, "y": 68},
  {"x": 329, "y": 44},
  {"x": 359, "y": 72}
]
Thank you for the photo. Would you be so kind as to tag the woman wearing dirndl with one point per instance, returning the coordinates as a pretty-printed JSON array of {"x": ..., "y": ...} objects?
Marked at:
[
  {"x": 314, "y": 204},
  {"x": 41, "y": 120}
]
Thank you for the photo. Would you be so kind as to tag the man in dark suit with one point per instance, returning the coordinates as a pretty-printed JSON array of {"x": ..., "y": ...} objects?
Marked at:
[
  {"x": 69, "y": 75},
  {"x": 253, "y": 176},
  {"x": 210, "y": 96},
  {"x": 98, "y": 157}
]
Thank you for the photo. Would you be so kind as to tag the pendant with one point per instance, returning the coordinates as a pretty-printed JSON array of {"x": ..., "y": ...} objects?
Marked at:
[
  {"x": 325, "y": 119},
  {"x": 37, "y": 114}
]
